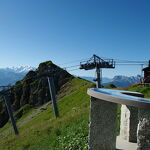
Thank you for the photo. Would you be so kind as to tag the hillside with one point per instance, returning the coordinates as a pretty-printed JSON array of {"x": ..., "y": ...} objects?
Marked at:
[
  {"x": 33, "y": 88},
  {"x": 145, "y": 90},
  {"x": 69, "y": 131},
  {"x": 34, "y": 115},
  {"x": 40, "y": 130}
]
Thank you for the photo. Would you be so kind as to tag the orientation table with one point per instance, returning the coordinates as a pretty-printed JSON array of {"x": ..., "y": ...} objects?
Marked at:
[{"x": 103, "y": 118}]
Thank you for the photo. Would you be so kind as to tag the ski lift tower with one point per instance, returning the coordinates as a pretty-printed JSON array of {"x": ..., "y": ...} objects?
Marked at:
[{"x": 95, "y": 62}]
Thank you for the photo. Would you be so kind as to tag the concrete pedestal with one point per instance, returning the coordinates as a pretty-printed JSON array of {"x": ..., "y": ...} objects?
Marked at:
[
  {"x": 129, "y": 123},
  {"x": 103, "y": 118},
  {"x": 102, "y": 125},
  {"x": 143, "y": 139}
]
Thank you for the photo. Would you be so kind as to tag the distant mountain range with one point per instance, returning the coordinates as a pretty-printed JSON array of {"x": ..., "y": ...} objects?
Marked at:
[
  {"x": 105, "y": 79},
  {"x": 13, "y": 74},
  {"x": 21, "y": 69},
  {"x": 119, "y": 80}
]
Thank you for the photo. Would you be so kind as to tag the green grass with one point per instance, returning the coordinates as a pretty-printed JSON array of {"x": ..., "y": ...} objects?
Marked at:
[
  {"x": 68, "y": 132},
  {"x": 45, "y": 132},
  {"x": 145, "y": 90}
]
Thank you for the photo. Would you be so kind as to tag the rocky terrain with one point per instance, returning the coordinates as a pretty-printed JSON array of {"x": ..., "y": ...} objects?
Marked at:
[{"x": 33, "y": 89}]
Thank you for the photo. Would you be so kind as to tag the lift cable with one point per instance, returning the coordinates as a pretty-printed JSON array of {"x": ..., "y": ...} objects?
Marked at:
[
  {"x": 71, "y": 62},
  {"x": 130, "y": 64},
  {"x": 73, "y": 69},
  {"x": 70, "y": 67},
  {"x": 117, "y": 62}
]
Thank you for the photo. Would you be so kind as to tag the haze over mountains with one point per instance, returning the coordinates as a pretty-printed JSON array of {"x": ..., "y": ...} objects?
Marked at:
[
  {"x": 13, "y": 74},
  {"x": 21, "y": 69},
  {"x": 119, "y": 80}
]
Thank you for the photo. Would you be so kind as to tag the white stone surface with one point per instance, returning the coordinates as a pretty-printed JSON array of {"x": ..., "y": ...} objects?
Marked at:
[
  {"x": 122, "y": 144},
  {"x": 125, "y": 122}
]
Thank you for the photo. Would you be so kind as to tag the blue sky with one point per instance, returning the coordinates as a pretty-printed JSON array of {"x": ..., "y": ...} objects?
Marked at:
[{"x": 32, "y": 31}]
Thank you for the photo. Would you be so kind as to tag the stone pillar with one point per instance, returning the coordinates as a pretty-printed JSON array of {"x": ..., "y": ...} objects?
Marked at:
[
  {"x": 129, "y": 123},
  {"x": 102, "y": 125},
  {"x": 143, "y": 137},
  {"x": 124, "y": 123},
  {"x": 133, "y": 124}
]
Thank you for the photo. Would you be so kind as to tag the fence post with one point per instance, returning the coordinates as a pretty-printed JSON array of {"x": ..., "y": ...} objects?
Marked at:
[
  {"x": 10, "y": 113},
  {"x": 53, "y": 95}
]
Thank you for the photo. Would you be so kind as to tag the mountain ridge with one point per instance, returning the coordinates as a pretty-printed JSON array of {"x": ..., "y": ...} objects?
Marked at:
[
  {"x": 120, "y": 81},
  {"x": 11, "y": 75},
  {"x": 33, "y": 89}
]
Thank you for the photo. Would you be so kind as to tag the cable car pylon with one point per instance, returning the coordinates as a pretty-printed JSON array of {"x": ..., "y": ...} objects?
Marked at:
[{"x": 95, "y": 62}]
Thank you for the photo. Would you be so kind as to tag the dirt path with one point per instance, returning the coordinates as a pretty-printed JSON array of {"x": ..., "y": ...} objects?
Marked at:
[{"x": 35, "y": 113}]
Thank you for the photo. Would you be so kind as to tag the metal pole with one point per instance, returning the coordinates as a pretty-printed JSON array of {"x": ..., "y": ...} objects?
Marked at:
[
  {"x": 100, "y": 77},
  {"x": 98, "y": 71},
  {"x": 10, "y": 113},
  {"x": 141, "y": 70},
  {"x": 53, "y": 95}
]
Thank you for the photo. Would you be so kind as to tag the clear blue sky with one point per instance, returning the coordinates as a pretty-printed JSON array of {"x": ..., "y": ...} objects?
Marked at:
[{"x": 32, "y": 31}]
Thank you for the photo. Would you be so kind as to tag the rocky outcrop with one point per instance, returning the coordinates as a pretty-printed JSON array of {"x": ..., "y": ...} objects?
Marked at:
[{"x": 33, "y": 89}]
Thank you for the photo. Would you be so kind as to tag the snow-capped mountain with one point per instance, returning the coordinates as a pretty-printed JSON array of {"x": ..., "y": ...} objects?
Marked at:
[
  {"x": 10, "y": 75},
  {"x": 21, "y": 69}
]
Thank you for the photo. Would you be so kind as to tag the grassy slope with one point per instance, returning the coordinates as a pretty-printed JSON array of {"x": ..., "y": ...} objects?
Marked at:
[
  {"x": 44, "y": 132},
  {"x": 68, "y": 132}
]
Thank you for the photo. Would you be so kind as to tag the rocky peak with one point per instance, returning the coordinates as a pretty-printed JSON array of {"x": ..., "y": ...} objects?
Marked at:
[{"x": 33, "y": 89}]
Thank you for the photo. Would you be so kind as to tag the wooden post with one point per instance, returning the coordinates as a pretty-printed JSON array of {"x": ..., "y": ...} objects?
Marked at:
[
  {"x": 10, "y": 113},
  {"x": 53, "y": 95}
]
